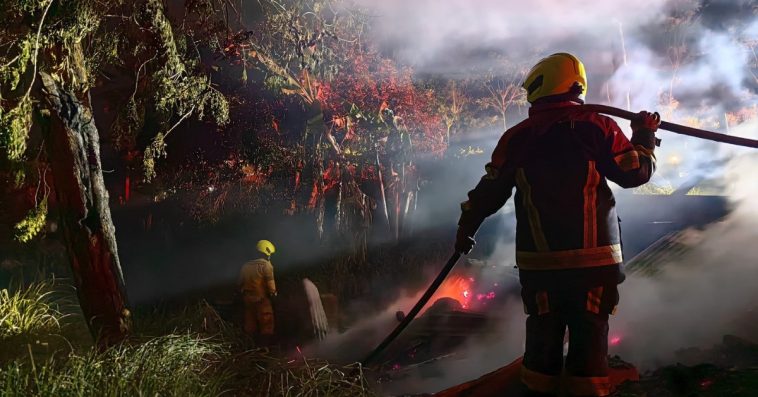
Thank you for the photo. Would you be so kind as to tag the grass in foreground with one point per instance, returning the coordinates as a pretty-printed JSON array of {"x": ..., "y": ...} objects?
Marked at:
[
  {"x": 261, "y": 374},
  {"x": 168, "y": 365},
  {"x": 182, "y": 359},
  {"x": 28, "y": 311}
]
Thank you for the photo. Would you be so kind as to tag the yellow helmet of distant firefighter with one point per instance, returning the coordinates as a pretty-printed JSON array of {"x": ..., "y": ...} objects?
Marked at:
[
  {"x": 265, "y": 247},
  {"x": 557, "y": 74}
]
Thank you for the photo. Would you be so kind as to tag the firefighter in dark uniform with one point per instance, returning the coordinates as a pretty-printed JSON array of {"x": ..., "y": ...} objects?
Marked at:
[{"x": 568, "y": 242}]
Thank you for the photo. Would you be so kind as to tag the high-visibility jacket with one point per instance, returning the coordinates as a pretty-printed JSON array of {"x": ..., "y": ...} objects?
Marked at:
[
  {"x": 558, "y": 160},
  {"x": 257, "y": 280}
]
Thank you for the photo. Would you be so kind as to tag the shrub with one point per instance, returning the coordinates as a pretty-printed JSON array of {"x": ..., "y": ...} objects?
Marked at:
[{"x": 28, "y": 311}]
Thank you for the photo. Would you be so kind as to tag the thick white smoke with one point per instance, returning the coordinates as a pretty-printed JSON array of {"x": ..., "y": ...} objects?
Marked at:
[
  {"x": 707, "y": 293},
  {"x": 450, "y": 35},
  {"x": 694, "y": 62}
]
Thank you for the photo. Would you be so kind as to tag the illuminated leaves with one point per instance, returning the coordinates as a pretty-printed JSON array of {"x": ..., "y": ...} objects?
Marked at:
[
  {"x": 33, "y": 223},
  {"x": 14, "y": 129}
]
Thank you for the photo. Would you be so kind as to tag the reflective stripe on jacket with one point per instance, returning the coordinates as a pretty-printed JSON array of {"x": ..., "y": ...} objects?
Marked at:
[{"x": 559, "y": 160}]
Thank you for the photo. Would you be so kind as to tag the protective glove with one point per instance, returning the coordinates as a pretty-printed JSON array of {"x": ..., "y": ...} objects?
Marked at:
[
  {"x": 644, "y": 127},
  {"x": 463, "y": 242}
]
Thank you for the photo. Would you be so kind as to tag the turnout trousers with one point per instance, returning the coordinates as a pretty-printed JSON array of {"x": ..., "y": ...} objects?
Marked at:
[
  {"x": 584, "y": 313},
  {"x": 258, "y": 316}
]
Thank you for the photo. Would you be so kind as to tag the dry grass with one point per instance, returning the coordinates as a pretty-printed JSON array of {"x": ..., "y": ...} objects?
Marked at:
[
  {"x": 176, "y": 365},
  {"x": 184, "y": 353},
  {"x": 262, "y": 374}
]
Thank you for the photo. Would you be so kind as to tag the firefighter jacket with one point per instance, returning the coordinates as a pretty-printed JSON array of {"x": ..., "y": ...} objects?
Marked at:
[
  {"x": 558, "y": 160},
  {"x": 257, "y": 280}
]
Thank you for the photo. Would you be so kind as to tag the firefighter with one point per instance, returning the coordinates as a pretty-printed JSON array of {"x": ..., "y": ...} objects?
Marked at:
[
  {"x": 568, "y": 241},
  {"x": 257, "y": 286}
]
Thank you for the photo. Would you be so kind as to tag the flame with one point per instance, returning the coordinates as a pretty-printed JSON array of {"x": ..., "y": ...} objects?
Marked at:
[
  {"x": 464, "y": 290},
  {"x": 456, "y": 287}
]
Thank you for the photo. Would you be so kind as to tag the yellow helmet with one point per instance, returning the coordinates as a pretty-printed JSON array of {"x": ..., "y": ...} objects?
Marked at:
[
  {"x": 557, "y": 74},
  {"x": 265, "y": 247}
]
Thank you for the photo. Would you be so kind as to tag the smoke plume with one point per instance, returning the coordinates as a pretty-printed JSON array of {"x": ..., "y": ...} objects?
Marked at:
[
  {"x": 703, "y": 295},
  {"x": 693, "y": 61}
]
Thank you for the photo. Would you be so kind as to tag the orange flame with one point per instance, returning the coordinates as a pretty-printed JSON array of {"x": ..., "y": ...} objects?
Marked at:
[{"x": 456, "y": 287}]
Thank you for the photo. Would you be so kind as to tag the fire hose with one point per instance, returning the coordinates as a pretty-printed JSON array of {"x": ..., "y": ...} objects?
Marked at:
[
  {"x": 414, "y": 311},
  {"x": 676, "y": 128},
  {"x": 609, "y": 110}
]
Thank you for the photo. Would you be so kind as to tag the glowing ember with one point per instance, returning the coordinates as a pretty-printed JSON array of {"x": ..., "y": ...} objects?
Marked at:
[
  {"x": 456, "y": 287},
  {"x": 463, "y": 289}
]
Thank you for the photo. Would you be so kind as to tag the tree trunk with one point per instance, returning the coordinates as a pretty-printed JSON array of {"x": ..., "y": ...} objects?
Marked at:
[{"x": 73, "y": 146}]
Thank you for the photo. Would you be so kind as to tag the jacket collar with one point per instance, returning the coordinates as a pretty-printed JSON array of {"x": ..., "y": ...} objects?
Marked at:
[{"x": 542, "y": 107}]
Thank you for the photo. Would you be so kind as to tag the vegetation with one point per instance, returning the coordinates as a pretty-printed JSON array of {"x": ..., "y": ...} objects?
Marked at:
[
  {"x": 167, "y": 365},
  {"x": 180, "y": 359},
  {"x": 28, "y": 311}
]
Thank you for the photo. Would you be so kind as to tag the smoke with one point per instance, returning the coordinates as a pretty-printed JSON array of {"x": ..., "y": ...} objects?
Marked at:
[
  {"x": 482, "y": 353},
  {"x": 702, "y": 46},
  {"x": 453, "y": 36},
  {"x": 354, "y": 344},
  {"x": 707, "y": 293},
  {"x": 693, "y": 61},
  {"x": 494, "y": 345}
]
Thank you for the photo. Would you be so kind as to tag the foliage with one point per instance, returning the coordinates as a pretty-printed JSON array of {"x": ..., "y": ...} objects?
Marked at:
[
  {"x": 14, "y": 127},
  {"x": 177, "y": 92},
  {"x": 304, "y": 36},
  {"x": 28, "y": 311},
  {"x": 155, "y": 150},
  {"x": 33, "y": 223},
  {"x": 76, "y": 42},
  {"x": 11, "y": 73}
]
